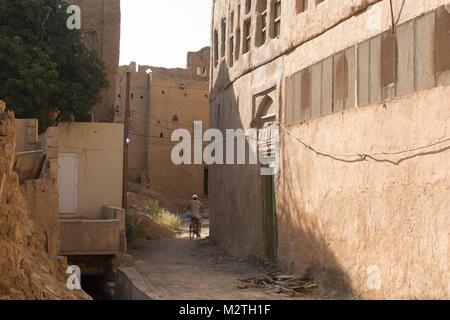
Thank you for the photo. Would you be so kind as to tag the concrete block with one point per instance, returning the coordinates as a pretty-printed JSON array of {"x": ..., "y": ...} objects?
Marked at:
[
  {"x": 130, "y": 285},
  {"x": 90, "y": 237}
]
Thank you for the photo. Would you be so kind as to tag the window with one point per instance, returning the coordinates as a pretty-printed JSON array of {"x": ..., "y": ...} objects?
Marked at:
[
  {"x": 201, "y": 71},
  {"x": 424, "y": 77},
  {"x": 276, "y": 18},
  {"x": 289, "y": 105},
  {"x": 248, "y": 6},
  {"x": 231, "y": 22},
  {"x": 261, "y": 29},
  {"x": 231, "y": 40},
  {"x": 218, "y": 117},
  {"x": 89, "y": 39},
  {"x": 405, "y": 59},
  {"x": 205, "y": 181},
  {"x": 392, "y": 64},
  {"x": 223, "y": 28},
  {"x": 305, "y": 95},
  {"x": 326, "y": 87},
  {"x": 388, "y": 64},
  {"x": 442, "y": 41},
  {"x": 175, "y": 118},
  {"x": 247, "y": 36},
  {"x": 341, "y": 81},
  {"x": 216, "y": 48},
  {"x": 369, "y": 61},
  {"x": 237, "y": 49},
  {"x": 231, "y": 51},
  {"x": 316, "y": 92},
  {"x": 301, "y": 6}
]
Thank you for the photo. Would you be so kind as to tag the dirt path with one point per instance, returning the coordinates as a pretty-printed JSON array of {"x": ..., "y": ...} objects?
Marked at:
[{"x": 195, "y": 270}]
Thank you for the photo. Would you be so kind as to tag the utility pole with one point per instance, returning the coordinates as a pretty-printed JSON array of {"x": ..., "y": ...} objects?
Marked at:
[{"x": 126, "y": 142}]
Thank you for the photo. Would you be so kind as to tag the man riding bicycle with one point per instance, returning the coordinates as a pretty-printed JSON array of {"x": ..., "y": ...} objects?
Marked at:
[{"x": 195, "y": 206}]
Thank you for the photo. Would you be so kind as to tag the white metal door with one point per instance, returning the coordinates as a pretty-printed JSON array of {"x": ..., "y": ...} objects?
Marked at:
[{"x": 67, "y": 181}]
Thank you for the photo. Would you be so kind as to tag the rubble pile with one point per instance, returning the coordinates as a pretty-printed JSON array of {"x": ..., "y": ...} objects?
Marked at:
[{"x": 292, "y": 286}]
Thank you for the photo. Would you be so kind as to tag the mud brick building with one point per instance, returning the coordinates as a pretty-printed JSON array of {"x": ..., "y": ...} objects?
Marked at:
[
  {"x": 365, "y": 86},
  {"x": 100, "y": 29},
  {"x": 161, "y": 101}
]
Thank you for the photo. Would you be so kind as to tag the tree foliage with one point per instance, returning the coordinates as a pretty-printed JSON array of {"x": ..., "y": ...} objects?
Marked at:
[{"x": 44, "y": 66}]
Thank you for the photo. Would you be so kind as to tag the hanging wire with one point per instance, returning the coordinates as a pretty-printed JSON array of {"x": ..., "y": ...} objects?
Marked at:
[{"x": 358, "y": 157}]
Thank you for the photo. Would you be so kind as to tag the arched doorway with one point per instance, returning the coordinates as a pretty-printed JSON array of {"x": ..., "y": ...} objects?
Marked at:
[{"x": 264, "y": 121}]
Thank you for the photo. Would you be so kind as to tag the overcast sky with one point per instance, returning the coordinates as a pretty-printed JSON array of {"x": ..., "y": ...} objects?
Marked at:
[{"x": 160, "y": 33}]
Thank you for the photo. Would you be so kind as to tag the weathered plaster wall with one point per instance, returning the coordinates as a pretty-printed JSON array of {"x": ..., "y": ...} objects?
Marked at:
[
  {"x": 187, "y": 99},
  {"x": 27, "y": 271},
  {"x": 42, "y": 203},
  {"x": 42, "y": 195},
  {"x": 87, "y": 237},
  {"x": 27, "y": 134},
  {"x": 100, "y": 25},
  {"x": 161, "y": 101},
  {"x": 352, "y": 216},
  {"x": 100, "y": 152},
  {"x": 295, "y": 30},
  {"x": 139, "y": 104},
  {"x": 337, "y": 218}
]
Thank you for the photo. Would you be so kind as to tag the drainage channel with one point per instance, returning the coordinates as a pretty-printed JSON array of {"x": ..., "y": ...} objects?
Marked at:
[
  {"x": 97, "y": 276},
  {"x": 96, "y": 287},
  {"x": 100, "y": 281}
]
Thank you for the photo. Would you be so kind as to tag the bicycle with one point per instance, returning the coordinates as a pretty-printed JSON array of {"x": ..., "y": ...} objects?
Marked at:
[{"x": 195, "y": 228}]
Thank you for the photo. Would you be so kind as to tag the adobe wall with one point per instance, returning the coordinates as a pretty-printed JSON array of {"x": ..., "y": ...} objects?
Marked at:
[
  {"x": 339, "y": 219},
  {"x": 163, "y": 100},
  {"x": 27, "y": 271},
  {"x": 27, "y": 134},
  {"x": 348, "y": 217},
  {"x": 42, "y": 195},
  {"x": 175, "y": 96},
  {"x": 102, "y": 18},
  {"x": 99, "y": 147},
  {"x": 139, "y": 104}
]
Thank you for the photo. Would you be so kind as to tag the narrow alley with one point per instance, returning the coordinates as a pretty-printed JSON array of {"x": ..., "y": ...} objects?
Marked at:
[
  {"x": 309, "y": 141},
  {"x": 184, "y": 269}
]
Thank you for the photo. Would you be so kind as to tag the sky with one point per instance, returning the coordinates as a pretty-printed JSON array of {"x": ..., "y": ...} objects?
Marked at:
[{"x": 161, "y": 32}]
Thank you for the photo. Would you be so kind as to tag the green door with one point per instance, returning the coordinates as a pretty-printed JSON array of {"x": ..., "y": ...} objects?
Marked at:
[{"x": 270, "y": 231}]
